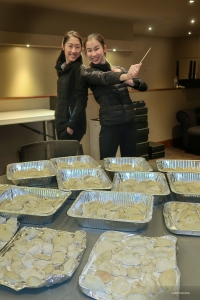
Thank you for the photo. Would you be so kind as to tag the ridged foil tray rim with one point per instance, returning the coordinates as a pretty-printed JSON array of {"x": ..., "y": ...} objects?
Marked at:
[
  {"x": 45, "y": 215},
  {"x": 55, "y": 161},
  {"x": 82, "y": 170},
  {"x": 130, "y": 159},
  {"x": 134, "y": 174},
  {"x": 169, "y": 221},
  {"x": 148, "y": 219},
  {"x": 94, "y": 294},
  {"x": 159, "y": 161},
  {"x": 53, "y": 278}
]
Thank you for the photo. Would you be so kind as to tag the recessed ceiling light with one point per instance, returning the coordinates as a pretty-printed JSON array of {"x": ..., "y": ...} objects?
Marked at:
[
  {"x": 150, "y": 28},
  {"x": 191, "y": 1},
  {"x": 114, "y": 49},
  {"x": 189, "y": 32},
  {"x": 192, "y": 21},
  {"x": 27, "y": 45}
]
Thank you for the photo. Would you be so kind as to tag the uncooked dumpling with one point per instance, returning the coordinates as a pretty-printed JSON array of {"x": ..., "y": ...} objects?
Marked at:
[
  {"x": 118, "y": 270},
  {"x": 94, "y": 283},
  {"x": 133, "y": 272},
  {"x": 164, "y": 264},
  {"x": 120, "y": 286},
  {"x": 168, "y": 280},
  {"x": 105, "y": 276}
]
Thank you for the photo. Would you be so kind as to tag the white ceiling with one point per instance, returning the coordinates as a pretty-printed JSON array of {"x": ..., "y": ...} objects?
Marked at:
[{"x": 168, "y": 18}]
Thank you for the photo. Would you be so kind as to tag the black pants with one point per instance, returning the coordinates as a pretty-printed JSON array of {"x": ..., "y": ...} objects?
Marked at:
[
  {"x": 77, "y": 135},
  {"x": 123, "y": 135}
]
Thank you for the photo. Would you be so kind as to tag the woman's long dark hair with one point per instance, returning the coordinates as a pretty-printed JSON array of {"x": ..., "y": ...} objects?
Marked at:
[{"x": 61, "y": 58}]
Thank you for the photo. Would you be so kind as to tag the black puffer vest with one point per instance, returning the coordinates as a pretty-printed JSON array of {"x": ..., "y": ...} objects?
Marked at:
[{"x": 115, "y": 103}]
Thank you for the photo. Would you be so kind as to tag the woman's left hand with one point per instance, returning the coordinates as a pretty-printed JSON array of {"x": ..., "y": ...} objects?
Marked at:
[
  {"x": 115, "y": 69},
  {"x": 70, "y": 131}
]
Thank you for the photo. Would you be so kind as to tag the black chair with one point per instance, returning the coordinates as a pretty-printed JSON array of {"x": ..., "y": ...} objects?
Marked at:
[
  {"x": 49, "y": 149},
  {"x": 190, "y": 125}
]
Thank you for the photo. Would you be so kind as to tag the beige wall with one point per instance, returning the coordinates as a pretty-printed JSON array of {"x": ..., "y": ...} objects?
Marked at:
[{"x": 27, "y": 72}]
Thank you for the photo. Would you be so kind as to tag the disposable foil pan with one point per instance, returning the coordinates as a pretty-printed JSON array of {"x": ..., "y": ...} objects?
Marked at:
[
  {"x": 52, "y": 278},
  {"x": 176, "y": 165},
  {"x": 3, "y": 244},
  {"x": 118, "y": 198},
  {"x": 120, "y": 240},
  {"x": 185, "y": 177},
  {"x": 63, "y": 175},
  {"x": 60, "y": 197},
  {"x": 71, "y": 159},
  {"x": 170, "y": 224},
  {"x": 29, "y": 181},
  {"x": 143, "y": 176},
  {"x": 133, "y": 161}
]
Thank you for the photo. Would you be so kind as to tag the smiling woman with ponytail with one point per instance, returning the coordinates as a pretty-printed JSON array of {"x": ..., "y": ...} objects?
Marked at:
[{"x": 70, "y": 115}]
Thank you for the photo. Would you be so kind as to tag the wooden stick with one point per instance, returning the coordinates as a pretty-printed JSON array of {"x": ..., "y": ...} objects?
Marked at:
[{"x": 145, "y": 55}]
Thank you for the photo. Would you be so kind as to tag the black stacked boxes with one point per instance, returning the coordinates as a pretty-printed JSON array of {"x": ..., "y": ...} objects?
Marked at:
[
  {"x": 142, "y": 129},
  {"x": 156, "y": 150}
]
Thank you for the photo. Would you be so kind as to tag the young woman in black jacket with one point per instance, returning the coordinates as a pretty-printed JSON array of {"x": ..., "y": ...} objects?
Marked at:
[
  {"x": 70, "y": 115},
  {"x": 109, "y": 87}
]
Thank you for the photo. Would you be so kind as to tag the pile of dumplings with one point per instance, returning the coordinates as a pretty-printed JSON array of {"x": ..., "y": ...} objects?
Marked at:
[
  {"x": 8, "y": 227},
  {"x": 32, "y": 172},
  {"x": 131, "y": 267},
  {"x": 144, "y": 186},
  {"x": 185, "y": 216},
  {"x": 187, "y": 187},
  {"x": 124, "y": 167},
  {"x": 30, "y": 204},
  {"x": 181, "y": 169},
  {"x": 91, "y": 182},
  {"x": 40, "y": 255},
  {"x": 109, "y": 210},
  {"x": 74, "y": 165}
]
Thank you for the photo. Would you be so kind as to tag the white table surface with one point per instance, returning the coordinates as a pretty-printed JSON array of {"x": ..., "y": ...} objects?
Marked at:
[{"x": 26, "y": 116}]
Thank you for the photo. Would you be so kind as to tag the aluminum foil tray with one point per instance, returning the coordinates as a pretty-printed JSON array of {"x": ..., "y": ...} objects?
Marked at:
[
  {"x": 143, "y": 176},
  {"x": 63, "y": 175},
  {"x": 121, "y": 199},
  {"x": 60, "y": 198},
  {"x": 4, "y": 223},
  {"x": 71, "y": 159},
  {"x": 113, "y": 289},
  {"x": 171, "y": 225},
  {"x": 4, "y": 187},
  {"x": 61, "y": 270},
  {"x": 29, "y": 181},
  {"x": 185, "y": 177},
  {"x": 175, "y": 165},
  {"x": 133, "y": 161}
]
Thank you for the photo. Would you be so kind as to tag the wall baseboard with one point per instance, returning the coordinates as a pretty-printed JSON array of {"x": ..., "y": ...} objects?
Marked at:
[{"x": 176, "y": 142}]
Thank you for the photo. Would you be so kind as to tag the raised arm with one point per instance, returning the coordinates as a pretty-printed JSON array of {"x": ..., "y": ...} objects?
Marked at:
[{"x": 110, "y": 77}]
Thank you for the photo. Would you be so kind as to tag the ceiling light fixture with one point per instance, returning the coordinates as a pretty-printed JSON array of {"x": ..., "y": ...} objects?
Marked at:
[
  {"x": 150, "y": 28},
  {"x": 27, "y": 45},
  {"x": 191, "y": 1},
  {"x": 189, "y": 32},
  {"x": 114, "y": 49},
  {"x": 192, "y": 21}
]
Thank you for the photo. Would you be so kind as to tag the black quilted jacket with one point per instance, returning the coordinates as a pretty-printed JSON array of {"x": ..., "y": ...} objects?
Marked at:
[
  {"x": 72, "y": 95},
  {"x": 111, "y": 94}
]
